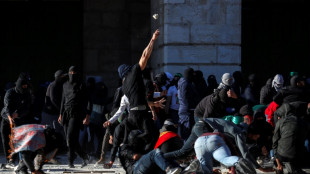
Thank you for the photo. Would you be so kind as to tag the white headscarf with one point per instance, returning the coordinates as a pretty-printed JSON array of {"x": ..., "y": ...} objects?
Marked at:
[{"x": 277, "y": 82}]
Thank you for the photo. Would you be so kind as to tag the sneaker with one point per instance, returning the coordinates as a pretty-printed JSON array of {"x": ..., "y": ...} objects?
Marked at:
[
  {"x": 84, "y": 164},
  {"x": 54, "y": 161},
  {"x": 10, "y": 165},
  {"x": 100, "y": 161},
  {"x": 175, "y": 170}
]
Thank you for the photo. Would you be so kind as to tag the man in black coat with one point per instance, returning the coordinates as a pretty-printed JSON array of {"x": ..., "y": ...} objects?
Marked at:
[
  {"x": 17, "y": 103},
  {"x": 74, "y": 112}
]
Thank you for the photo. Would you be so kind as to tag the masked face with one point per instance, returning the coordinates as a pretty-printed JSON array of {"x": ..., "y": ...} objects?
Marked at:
[
  {"x": 73, "y": 77},
  {"x": 21, "y": 86}
]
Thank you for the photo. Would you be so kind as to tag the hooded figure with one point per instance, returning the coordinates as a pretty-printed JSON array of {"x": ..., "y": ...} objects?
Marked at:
[
  {"x": 295, "y": 92},
  {"x": 212, "y": 84},
  {"x": 75, "y": 111},
  {"x": 189, "y": 74},
  {"x": 74, "y": 74},
  {"x": 238, "y": 86},
  {"x": 227, "y": 81},
  {"x": 123, "y": 70},
  {"x": 22, "y": 85},
  {"x": 277, "y": 82},
  {"x": 200, "y": 83}
]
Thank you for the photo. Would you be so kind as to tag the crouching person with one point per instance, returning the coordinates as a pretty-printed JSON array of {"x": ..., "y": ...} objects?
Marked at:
[
  {"x": 136, "y": 160},
  {"x": 36, "y": 145}
]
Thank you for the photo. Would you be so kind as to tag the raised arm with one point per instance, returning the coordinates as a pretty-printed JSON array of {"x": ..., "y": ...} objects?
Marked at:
[{"x": 148, "y": 51}]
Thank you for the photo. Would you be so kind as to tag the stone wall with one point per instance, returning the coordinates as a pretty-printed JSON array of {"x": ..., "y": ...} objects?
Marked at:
[{"x": 202, "y": 34}]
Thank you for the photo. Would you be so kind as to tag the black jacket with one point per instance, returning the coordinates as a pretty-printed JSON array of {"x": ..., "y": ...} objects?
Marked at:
[
  {"x": 212, "y": 107},
  {"x": 19, "y": 103},
  {"x": 267, "y": 93},
  {"x": 53, "y": 98}
]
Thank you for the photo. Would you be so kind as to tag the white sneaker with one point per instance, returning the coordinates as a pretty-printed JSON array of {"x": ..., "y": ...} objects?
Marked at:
[{"x": 175, "y": 170}]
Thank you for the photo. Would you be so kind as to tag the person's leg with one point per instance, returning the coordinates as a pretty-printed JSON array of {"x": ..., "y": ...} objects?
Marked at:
[
  {"x": 222, "y": 153},
  {"x": 69, "y": 130},
  {"x": 5, "y": 132},
  {"x": 28, "y": 157},
  {"x": 203, "y": 154},
  {"x": 146, "y": 161},
  {"x": 75, "y": 131},
  {"x": 99, "y": 133},
  {"x": 184, "y": 126}
]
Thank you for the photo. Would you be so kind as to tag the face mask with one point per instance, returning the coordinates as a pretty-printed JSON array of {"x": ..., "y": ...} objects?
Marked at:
[{"x": 73, "y": 78}]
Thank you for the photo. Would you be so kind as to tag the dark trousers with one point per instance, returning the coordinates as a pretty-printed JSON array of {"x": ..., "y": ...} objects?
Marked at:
[
  {"x": 72, "y": 130},
  {"x": 5, "y": 132},
  {"x": 96, "y": 131}
]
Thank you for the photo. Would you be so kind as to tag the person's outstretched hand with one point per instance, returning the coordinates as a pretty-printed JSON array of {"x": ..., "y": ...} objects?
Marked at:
[{"x": 155, "y": 35}]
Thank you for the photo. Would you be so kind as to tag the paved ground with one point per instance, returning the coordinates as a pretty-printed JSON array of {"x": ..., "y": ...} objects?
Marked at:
[{"x": 63, "y": 168}]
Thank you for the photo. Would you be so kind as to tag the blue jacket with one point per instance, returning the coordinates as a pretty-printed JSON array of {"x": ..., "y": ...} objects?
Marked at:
[{"x": 188, "y": 96}]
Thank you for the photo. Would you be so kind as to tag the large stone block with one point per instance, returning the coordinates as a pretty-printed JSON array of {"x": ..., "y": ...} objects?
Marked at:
[
  {"x": 216, "y": 34},
  {"x": 190, "y": 54},
  {"x": 229, "y": 54},
  {"x": 176, "y": 33}
]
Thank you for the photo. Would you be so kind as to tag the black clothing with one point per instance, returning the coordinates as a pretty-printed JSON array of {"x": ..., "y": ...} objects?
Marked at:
[
  {"x": 212, "y": 84},
  {"x": 75, "y": 105},
  {"x": 267, "y": 93},
  {"x": 19, "y": 103},
  {"x": 72, "y": 130},
  {"x": 75, "y": 100},
  {"x": 291, "y": 94},
  {"x": 252, "y": 95},
  {"x": 5, "y": 132},
  {"x": 133, "y": 87},
  {"x": 53, "y": 98},
  {"x": 212, "y": 106},
  {"x": 200, "y": 84}
]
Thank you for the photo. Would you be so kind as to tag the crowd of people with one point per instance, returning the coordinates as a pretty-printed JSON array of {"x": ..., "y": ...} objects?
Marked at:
[{"x": 162, "y": 124}]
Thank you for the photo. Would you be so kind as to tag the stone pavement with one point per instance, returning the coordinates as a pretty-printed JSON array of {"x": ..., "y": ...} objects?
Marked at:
[{"x": 63, "y": 168}]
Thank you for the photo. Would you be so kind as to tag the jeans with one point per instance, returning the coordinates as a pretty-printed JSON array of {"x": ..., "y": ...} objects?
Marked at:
[
  {"x": 213, "y": 145},
  {"x": 144, "y": 164}
]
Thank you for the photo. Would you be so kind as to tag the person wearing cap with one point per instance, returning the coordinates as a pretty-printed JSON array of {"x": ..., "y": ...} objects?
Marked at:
[
  {"x": 17, "y": 103},
  {"x": 75, "y": 111},
  {"x": 272, "y": 87}
]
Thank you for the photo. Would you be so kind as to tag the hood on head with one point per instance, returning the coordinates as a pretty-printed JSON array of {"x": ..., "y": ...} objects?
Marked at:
[
  {"x": 123, "y": 70},
  {"x": 227, "y": 79}
]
